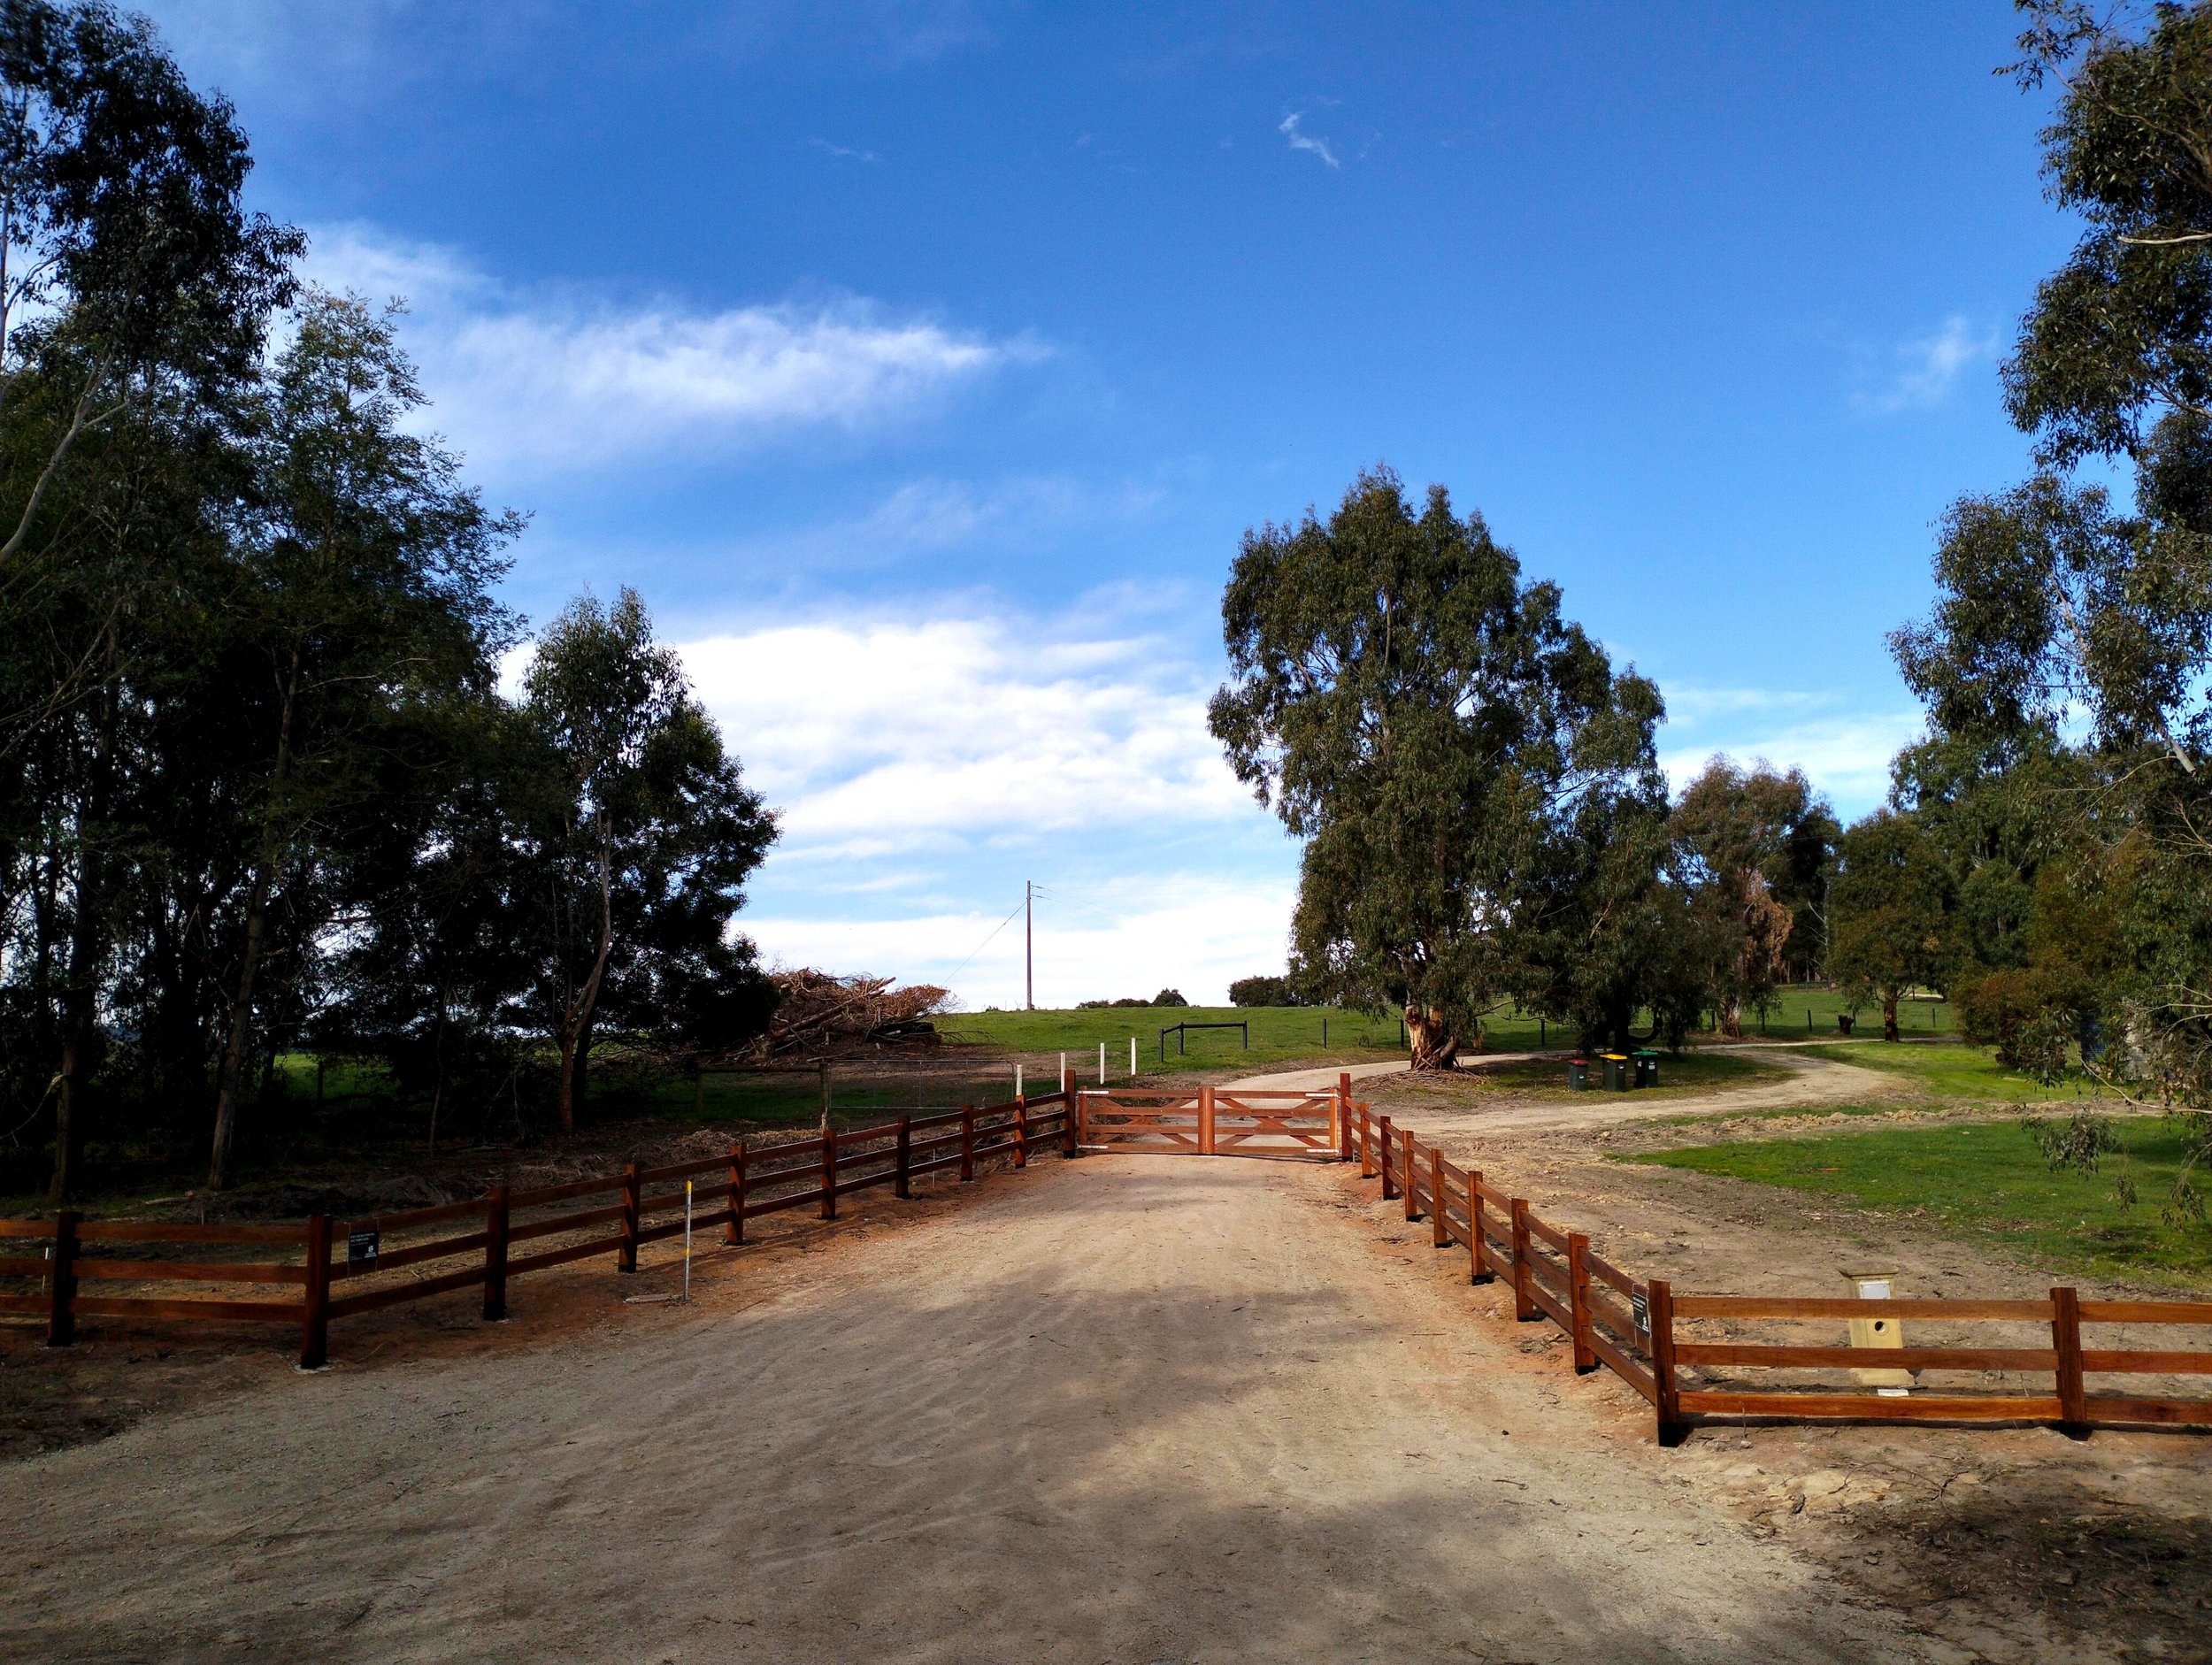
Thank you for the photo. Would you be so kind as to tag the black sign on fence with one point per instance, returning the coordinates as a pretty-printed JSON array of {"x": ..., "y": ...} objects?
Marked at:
[
  {"x": 1641, "y": 1308},
  {"x": 361, "y": 1247}
]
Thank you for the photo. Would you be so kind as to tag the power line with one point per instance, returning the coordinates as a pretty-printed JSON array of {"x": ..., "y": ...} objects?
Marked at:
[{"x": 987, "y": 941}]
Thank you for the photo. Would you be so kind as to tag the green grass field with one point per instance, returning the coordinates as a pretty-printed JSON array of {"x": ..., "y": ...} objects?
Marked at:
[
  {"x": 1987, "y": 1181},
  {"x": 1950, "y": 1070}
]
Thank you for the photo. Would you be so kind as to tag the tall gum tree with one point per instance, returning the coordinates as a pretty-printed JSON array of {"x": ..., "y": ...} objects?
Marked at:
[
  {"x": 643, "y": 837},
  {"x": 1424, "y": 721}
]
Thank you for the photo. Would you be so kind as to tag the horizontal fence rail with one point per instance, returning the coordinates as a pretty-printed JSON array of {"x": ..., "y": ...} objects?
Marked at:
[
  {"x": 2038, "y": 1369},
  {"x": 310, "y": 1274}
]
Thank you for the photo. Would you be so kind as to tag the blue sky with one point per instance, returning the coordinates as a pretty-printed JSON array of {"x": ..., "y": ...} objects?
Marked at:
[{"x": 922, "y": 364}]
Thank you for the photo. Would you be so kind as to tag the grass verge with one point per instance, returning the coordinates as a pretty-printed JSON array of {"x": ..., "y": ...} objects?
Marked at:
[{"x": 1987, "y": 1180}]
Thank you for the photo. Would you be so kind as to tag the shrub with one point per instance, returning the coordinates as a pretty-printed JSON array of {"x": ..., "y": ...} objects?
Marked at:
[{"x": 1264, "y": 991}]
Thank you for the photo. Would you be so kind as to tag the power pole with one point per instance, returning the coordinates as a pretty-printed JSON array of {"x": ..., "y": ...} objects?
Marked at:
[{"x": 1029, "y": 944}]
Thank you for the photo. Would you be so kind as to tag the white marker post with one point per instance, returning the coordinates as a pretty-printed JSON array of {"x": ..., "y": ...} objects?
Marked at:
[
  {"x": 687, "y": 1242},
  {"x": 1017, "y": 1081},
  {"x": 1101, "y": 1064},
  {"x": 1133, "y": 1057}
]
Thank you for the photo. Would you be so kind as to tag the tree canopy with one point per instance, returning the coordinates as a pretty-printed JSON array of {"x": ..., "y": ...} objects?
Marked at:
[
  {"x": 1427, "y": 723},
  {"x": 258, "y": 787}
]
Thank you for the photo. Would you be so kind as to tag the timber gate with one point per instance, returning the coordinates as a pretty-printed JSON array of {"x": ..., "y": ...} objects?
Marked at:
[{"x": 1214, "y": 1122}]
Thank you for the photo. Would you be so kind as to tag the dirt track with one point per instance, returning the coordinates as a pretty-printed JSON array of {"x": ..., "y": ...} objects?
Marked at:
[{"x": 1114, "y": 1410}]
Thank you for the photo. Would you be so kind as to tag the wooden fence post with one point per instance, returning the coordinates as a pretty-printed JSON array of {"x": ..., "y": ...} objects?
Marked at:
[
  {"x": 315, "y": 1299},
  {"x": 902, "y": 1164},
  {"x": 1205, "y": 1121},
  {"x": 1478, "y": 1270},
  {"x": 1344, "y": 1114},
  {"x": 967, "y": 1143},
  {"x": 1382, "y": 1132},
  {"x": 1366, "y": 1147},
  {"x": 829, "y": 1171},
  {"x": 733, "y": 1232},
  {"x": 1021, "y": 1132},
  {"x": 1072, "y": 1097},
  {"x": 733, "y": 1228},
  {"x": 1524, "y": 1307},
  {"x": 1578, "y": 1302},
  {"x": 1660, "y": 1298},
  {"x": 1440, "y": 1217},
  {"x": 2073, "y": 1399},
  {"x": 625, "y": 1254},
  {"x": 497, "y": 1226},
  {"x": 61, "y": 1311},
  {"x": 1408, "y": 1172}
]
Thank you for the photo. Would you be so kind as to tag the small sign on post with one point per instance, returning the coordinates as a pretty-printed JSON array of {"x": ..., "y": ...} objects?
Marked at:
[
  {"x": 361, "y": 1247},
  {"x": 1880, "y": 1333},
  {"x": 1640, "y": 1309}
]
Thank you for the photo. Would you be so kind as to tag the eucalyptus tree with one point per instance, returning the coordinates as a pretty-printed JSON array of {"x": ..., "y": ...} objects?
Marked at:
[
  {"x": 363, "y": 602},
  {"x": 1892, "y": 914},
  {"x": 1426, "y": 722},
  {"x": 639, "y": 844},
  {"x": 1756, "y": 847},
  {"x": 2071, "y": 636},
  {"x": 133, "y": 292},
  {"x": 126, "y": 257}
]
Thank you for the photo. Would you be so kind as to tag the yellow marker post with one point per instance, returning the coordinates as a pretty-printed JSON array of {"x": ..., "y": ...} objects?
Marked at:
[{"x": 1879, "y": 1333}]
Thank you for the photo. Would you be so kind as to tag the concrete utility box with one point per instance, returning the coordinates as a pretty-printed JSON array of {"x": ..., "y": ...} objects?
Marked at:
[
  {"x": 1879, "y": 1333},
  {"x": 1616, "y": 1071},
  {"x": 1578, "y": 1074}
]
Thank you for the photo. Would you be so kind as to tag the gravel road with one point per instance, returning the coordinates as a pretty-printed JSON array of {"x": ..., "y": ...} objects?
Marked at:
[{"x": 1115, "y": 1409}]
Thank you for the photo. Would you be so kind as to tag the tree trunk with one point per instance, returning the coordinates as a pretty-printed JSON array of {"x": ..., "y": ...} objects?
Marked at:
[
  {"x": 1732, "y": 1018},
  {"x": 1889, "y": 1015},
  {"x": 229, "y": 1078},
  {"x": 87, "y": 952},
  {"x": 567, "y": 1042},
  {"x": 576, "y": 1020},
  {"x": 1435, "y": 1045},
  {"x": 581, "y": 1069}
]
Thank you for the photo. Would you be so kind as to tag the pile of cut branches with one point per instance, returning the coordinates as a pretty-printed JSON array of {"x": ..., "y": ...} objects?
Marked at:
[{"x": 821, "y": 1016}]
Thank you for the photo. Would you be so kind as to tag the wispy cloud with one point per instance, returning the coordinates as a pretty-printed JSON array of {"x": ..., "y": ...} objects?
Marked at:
[
  {"x": 545, "y": 377},
  {"x": 846, "y": 152},
  {"x": 1300, "y": 141},
  {"x": 1922, "y": 372},
  {"x": 1844, "y": 748}
]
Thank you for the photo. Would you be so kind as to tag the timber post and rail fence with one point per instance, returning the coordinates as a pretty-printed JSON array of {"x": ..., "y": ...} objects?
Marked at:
[
  {"x": 1668, "y": 1348},
  {"x": 309, "y": 1276}
]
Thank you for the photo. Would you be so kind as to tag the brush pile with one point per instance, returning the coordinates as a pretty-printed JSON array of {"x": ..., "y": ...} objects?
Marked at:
[{"x": 820, "y": 1016}]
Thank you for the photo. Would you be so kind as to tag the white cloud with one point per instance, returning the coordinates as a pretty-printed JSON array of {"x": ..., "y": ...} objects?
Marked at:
[
  {"x": 1844, "y": 750},
  {"x": 1193, "y": 933},
  {"x": 924, "y": 768},
  {"x": 844, "y": 152},
  {"x": 887, "y": 736},
  {"x": 1925, "y": 369},
  {"x": 545, "y": 378},
  {"x": 1319, "y": 147}
]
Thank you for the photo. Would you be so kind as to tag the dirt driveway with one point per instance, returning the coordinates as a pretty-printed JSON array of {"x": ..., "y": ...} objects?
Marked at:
[{"x": 1119, "y": 1409}]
